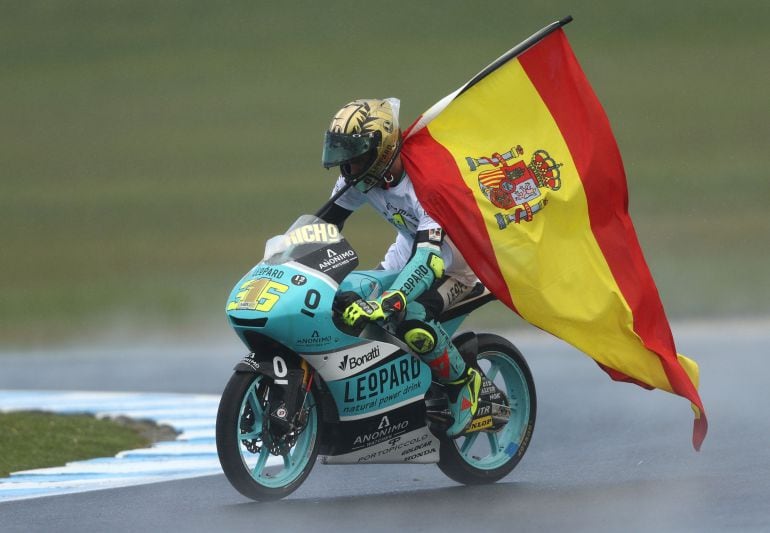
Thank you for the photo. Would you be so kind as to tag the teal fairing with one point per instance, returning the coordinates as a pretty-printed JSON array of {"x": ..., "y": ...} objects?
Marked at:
[{"x": 288, "y": 296}]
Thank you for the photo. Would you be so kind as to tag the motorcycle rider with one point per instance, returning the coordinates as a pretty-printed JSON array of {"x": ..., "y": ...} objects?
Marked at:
[{"x": 364, "y": 141}]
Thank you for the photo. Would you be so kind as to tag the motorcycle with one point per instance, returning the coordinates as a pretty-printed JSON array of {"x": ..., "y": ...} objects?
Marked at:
[{"x": 312, "y": 386}]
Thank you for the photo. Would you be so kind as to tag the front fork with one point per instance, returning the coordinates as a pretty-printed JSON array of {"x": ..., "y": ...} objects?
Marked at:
[
  {"x": 286, "y": 413},
  {"x": 287, "y": 393}
]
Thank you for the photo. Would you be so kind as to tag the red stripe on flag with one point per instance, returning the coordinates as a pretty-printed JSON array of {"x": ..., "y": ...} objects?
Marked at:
[
  {"x": 422, "y": 155},
  {"x": 553, "y": 69}
]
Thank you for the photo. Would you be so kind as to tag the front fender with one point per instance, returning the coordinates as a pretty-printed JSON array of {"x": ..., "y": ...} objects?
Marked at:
[
  {"x": 276, "y": 365},
  {"x": 250, "y": 365},
  {"x": 292, "y": 377}
]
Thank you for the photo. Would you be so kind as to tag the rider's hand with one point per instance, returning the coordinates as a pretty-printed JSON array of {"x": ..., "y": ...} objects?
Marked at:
[
  {"x": 361, "y": 310},
  {"x": 391, "y": 302}
]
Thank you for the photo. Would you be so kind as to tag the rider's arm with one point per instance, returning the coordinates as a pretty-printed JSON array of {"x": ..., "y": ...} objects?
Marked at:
[
  {"x": 424, "y": 267},
  {"x": 343, "y": 206},
  {"x": 336, "y": 215}
]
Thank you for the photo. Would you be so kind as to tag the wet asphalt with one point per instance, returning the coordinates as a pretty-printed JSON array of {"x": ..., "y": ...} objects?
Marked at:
[{"x": 605, "y": 456}]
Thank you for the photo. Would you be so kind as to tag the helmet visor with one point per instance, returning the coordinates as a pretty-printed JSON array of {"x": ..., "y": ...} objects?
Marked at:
[{"x": 342, "y": 147}]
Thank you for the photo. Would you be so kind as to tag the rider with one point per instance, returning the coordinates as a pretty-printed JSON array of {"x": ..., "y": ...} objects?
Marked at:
[{"x": 364, "y": 141}]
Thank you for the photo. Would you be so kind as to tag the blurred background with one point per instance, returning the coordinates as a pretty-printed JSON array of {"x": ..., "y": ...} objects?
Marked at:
[{"x": 148, "y": 148}]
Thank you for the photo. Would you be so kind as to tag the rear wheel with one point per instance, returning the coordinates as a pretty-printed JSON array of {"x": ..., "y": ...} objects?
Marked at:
[
  {"x": 486, "y": 456},
  {"x": 261, "y": 459}
]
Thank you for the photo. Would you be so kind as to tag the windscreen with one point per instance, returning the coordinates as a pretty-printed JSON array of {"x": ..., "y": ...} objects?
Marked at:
[{"x": 313, "y": 243}]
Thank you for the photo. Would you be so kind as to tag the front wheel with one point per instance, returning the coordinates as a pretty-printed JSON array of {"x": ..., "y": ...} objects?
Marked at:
[
  {"x": 486, "y": 456},
  {"x": 262, "y": 460}
]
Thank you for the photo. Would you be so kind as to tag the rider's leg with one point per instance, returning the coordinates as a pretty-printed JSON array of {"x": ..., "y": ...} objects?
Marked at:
[{"x": 429, "y": 340}]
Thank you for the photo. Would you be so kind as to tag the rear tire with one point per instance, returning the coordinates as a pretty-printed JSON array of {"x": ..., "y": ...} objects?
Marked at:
[
  {"x": 485, "y": 457},
  {"x": 244, "y": 440}
]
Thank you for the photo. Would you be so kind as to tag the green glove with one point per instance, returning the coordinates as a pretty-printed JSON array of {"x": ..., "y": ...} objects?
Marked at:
[{"x": 391, "y": 302}]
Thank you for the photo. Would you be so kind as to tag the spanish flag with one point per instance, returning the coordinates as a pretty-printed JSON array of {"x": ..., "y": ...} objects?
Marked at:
[{"x": 521, "y": 169}]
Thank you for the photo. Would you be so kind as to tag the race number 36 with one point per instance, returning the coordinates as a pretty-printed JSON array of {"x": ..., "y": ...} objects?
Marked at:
[{"x": 258, "y": 295}]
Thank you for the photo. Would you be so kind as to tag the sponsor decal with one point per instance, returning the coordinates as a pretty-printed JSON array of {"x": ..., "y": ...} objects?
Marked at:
[
  {"x": 270, "y": 272},
  {"x": 254, "y": 365},
  {"x": 480, "y": 423},
  {"x": 314, "y": 233},
  {"x": 316, "y": 339},
  {"x": 399, "y": 221},
  {"x": 401, "y": 446},
  {"x": 383, "y": 380},
  {"x": 417, "y": 275},
  {"x": 298, "y": 280},
  {"x": 420, "y": 454},
  {"x": 490, "y": 392},
  {"x": 488, "y": 388},
  {"x": 382, "y": 387},
  {"x": 384, "y": 431},
  {"x": 336, "y": 260},
  {"x": 435, "y": 235},
  {"x": 351, "y": 362},
  {"x": 398, "y": 216},
  {"x": 416, "y": 445},
  {"x": 483, "y": 410},
  {"x": 456, "y": 290}
]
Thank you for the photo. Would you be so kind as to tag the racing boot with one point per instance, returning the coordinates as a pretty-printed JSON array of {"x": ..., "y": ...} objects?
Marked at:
[
  {"x": 463, "y": 400},
  {"x": 429, "y": 341}
]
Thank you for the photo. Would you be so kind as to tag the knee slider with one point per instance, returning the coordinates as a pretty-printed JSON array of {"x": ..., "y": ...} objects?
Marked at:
[
  {"x": 419, "y": 336},
  {"x": 436, "y": 264}
]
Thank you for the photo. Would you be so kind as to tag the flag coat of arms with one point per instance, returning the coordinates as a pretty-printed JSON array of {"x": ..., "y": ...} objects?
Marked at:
[{"x": 522, "y": 170}]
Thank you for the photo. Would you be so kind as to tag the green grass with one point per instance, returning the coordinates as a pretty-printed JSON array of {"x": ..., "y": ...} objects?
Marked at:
[
  {"x": 150, "y": 148},
  {"x": 37, "y": 440}
]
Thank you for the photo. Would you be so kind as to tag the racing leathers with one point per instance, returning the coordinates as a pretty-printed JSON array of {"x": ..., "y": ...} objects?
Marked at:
[{"x": 433, "y": 275}]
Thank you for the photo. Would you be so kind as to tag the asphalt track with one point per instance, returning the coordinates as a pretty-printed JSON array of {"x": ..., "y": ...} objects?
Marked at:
[{"x": 604, "y": 457}]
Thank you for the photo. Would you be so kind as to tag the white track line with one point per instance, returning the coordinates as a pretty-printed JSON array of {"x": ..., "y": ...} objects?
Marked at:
[{"x": 192, "y": 454}]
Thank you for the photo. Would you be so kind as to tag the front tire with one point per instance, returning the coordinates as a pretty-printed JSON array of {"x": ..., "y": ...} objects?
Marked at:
[
  {"x": 485, "y": 457},
  {"x": 247, "y": 447}
]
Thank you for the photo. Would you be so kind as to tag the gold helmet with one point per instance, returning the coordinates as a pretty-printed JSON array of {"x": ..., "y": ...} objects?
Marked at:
[{"x": 363, "y": 140}]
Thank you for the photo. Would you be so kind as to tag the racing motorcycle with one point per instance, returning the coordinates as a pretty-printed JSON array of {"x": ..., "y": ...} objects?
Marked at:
[{"x": 312, "y": 386}]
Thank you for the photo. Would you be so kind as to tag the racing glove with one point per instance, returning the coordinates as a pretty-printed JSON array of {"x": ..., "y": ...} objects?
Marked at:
[{"x": 391, "y": 303}]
